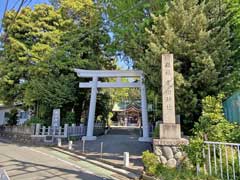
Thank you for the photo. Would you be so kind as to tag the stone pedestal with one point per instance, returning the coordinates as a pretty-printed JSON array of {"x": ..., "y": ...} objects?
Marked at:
[
  {"x": 170, "y": 131},
  {"x": 169, "y": 151},
  {"x": 167, "y": 147}
]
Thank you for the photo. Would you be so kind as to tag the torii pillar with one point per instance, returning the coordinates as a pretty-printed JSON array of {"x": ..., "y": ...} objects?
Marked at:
[{"x": 95, "y": 84}]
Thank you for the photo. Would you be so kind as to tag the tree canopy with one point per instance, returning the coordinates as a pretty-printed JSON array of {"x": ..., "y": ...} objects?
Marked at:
[{"x": 41, "y": 46}]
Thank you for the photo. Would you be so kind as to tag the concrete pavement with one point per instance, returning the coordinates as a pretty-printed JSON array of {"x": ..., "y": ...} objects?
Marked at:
[
  {"x": 39, "y": 163},
  {"x": 118, "y": 141}
]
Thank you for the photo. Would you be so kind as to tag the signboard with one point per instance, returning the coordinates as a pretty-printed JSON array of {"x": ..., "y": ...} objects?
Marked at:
[
  {"x": 56, "y": 118},
  {"x": 168, "y": 89}
]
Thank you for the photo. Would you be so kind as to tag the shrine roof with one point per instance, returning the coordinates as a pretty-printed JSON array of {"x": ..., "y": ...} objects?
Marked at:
[{"x": 123, "y": 106}]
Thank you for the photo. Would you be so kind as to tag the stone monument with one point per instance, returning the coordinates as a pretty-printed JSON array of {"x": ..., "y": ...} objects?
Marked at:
[
  {"x": 167, "y": 147},
  {"x": 56, "y": 118}
]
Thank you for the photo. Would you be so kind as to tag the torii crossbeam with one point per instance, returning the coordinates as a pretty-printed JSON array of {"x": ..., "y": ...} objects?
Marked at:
[{"x": 118, "y": 74}]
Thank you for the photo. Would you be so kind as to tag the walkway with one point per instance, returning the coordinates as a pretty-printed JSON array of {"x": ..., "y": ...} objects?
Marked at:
[{"x": 118, "y": 141}]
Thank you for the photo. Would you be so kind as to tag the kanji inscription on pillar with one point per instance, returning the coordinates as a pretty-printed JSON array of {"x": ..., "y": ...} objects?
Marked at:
[{"x": 168, "y": 98}]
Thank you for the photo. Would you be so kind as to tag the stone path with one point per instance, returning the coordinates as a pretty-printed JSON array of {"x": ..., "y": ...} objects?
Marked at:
[{"x": 118, "y": 141}]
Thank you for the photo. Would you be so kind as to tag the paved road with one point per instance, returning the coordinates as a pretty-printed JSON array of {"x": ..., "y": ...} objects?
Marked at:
[
  {"x": 118, "y": 141},
  {"x": 39, "y": 163}
]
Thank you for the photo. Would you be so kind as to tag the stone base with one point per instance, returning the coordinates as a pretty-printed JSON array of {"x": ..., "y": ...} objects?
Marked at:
[
  {"x": 145, "y": 139},
  {"x": 170, "y": 131},
  {"x": 169, "y": 151},
  {"x": 89, "y": 138},
  {"x": 170, "y": 142}
]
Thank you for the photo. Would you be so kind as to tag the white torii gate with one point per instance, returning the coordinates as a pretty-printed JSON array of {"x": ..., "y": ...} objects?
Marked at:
[{"x": 94, "y": 84}]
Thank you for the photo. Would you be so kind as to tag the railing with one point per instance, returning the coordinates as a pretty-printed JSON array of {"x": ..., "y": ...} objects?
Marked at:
[
  {"x": 76, "y": 130},
  {"x": 50, "y": 131},
  {"x": 60, "y": 132},
  {"x": 221, "y": 160},
  {"x": 99, "y": 125}
]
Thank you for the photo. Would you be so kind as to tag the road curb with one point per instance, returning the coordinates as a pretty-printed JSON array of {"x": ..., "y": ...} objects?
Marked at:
[{"x": 122, "y": 172}]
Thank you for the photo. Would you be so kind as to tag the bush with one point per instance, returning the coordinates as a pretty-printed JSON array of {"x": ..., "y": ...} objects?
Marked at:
[
  {"x": 211, "y": 126},
  {"x": 34, "y": 120},
  {"x": 69, "y": 118},
  {"x": 153, "y": 167},
  {"x": 13, "y": 117},
  {"x": 150, "y": 162}
]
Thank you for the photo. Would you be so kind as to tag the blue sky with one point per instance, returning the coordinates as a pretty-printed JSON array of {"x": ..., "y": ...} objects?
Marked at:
[{"x": 15, "y": 3}]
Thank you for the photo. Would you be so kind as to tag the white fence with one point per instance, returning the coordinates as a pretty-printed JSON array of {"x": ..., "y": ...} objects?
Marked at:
[
  {"x": 221, "y": 160},
  {"x": 76, "y": 130},
  {"x": 59, "y": 132}
]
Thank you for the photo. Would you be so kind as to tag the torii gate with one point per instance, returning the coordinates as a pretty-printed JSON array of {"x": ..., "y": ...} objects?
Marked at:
[{"x": 118, "y": 74}]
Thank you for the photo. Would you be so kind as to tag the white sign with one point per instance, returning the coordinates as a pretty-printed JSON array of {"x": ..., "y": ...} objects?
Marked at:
[
  {"x": 168, "y": 99},
  {"x": 56, "y": 118}
]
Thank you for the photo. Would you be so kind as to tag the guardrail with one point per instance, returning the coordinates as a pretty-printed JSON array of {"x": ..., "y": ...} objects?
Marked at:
[{"x": 221, "y": 159}]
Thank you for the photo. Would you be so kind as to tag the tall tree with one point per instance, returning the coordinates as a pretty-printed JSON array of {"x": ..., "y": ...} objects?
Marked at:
[
  {"x": 44, "y": 46},
  {"x": 200, "y": 44},
  {"x": 233, "y": 80},
  {"x": 129, "y": 23}
]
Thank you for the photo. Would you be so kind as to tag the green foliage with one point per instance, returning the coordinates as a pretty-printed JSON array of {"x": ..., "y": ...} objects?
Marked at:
[
  {"x": 185, "y": 31},
  {"x": 212, "y": 126},
  {"x": 43, "y": 46},
  {"x": 13, "y": 117},
  {"x": 235, "y": 134},
  {"x": 156, "y": 131},
  {"x": 70, "y": 118},
  {"x": 150, "y": 162},
  {"x": 129, "y": 27},
  {"x": 166, "y": 173},
  {"x": 196, "y": 32},
  {"x": 153, "y": 167},
  {"x": 34, "y": 120},
  {"x": 53, "y": 91},
  {"x": 233, "y": 80},
  {"x": 194, "y": 150}
]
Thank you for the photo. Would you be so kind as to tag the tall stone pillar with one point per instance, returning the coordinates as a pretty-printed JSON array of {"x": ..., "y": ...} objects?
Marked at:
[
  {"x": 91, "y": 115},
  {"x": 145, "y": 125},
  {"x": 169, "y": 129},
  {"x": 167, "y": 146}
]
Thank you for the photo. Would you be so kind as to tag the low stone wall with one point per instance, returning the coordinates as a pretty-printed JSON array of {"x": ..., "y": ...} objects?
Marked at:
[
  {"x": 17, "y": 133},
  {"x": 17, "y": 137},
  {"x": 169, "y": 153}
]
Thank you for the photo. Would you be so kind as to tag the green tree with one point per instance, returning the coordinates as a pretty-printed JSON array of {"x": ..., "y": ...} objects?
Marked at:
[
  {"x": 13, "y": 117},
  {"x": 201, "y": 53},
  {"x": 233, "y": 80},
  {"x": 211, "y": 126},
  {"x": 43, "y": 47},
  {"x": 129, "y": 23},
  {"x": 30, "y": 41}
]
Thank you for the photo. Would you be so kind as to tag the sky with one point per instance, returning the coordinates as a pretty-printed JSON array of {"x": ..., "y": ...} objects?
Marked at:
[{"x": 15, "y": 3}]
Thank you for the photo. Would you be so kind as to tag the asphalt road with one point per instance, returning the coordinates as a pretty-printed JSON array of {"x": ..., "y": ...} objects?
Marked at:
[{"x": 39, "y": 163}]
